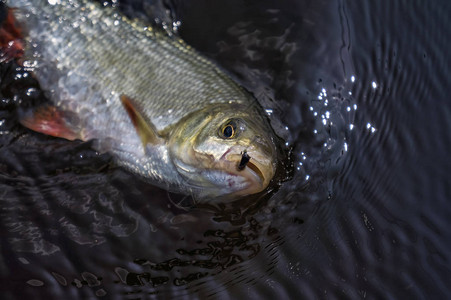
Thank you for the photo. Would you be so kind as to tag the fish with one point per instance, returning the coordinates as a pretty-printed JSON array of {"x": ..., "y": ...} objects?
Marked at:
[{"x": 159, "y": 107}]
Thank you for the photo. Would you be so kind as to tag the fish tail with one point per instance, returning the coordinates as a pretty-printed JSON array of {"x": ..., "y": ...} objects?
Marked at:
[{"x": 11, "y": 36}]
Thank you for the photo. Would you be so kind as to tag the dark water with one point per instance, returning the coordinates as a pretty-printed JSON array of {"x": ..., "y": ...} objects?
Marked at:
[{"x": 362, "y": 88}]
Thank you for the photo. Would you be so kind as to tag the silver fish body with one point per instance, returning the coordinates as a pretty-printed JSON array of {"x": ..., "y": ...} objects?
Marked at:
[{"x": 86, "y": 57}]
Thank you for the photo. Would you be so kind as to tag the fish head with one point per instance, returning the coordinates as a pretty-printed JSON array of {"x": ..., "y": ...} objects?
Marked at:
[{"x": 224, "y": 151}]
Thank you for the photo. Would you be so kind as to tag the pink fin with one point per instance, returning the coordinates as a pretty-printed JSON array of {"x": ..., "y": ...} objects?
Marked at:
[
  {"x": 11, "y": 39},
  {"x": 49, "y": 120}
]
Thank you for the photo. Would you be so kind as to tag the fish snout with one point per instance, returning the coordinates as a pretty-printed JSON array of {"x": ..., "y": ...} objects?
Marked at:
[{"x": 256, "y": 168}]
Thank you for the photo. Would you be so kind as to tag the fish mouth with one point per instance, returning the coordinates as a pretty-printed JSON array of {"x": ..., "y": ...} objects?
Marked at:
[
  {"x": 256, "y": 170},
  {"x": 226, "y": 177},
  {"x": 256, "y": 173}
]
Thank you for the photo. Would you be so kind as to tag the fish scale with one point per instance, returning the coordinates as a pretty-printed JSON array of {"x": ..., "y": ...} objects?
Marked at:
[
  {"x": 89, "y": 60},
  {"x": 143, "y": 48}
]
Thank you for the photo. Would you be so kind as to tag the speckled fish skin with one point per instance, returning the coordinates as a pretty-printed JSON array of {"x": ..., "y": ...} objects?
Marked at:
[{"x": 86, "y": 56}]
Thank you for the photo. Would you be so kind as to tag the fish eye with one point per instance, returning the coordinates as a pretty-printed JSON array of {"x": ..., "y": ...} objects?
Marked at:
[{"x": 228, "y": 131}]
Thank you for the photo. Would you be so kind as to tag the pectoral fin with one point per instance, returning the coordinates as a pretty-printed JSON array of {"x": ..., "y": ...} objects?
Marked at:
[{"x": 145, "y": 130}]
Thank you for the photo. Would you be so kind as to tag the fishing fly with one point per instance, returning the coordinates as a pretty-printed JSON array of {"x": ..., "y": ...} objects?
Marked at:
[{"x": 244, "y": 160}]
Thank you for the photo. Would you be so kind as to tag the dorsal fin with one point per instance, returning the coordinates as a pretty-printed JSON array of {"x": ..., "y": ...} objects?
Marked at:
[{"x": 145, "y": 130}]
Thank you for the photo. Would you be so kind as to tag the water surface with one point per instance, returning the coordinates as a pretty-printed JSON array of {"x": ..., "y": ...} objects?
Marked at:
[{"x": 359, "y": 92}]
